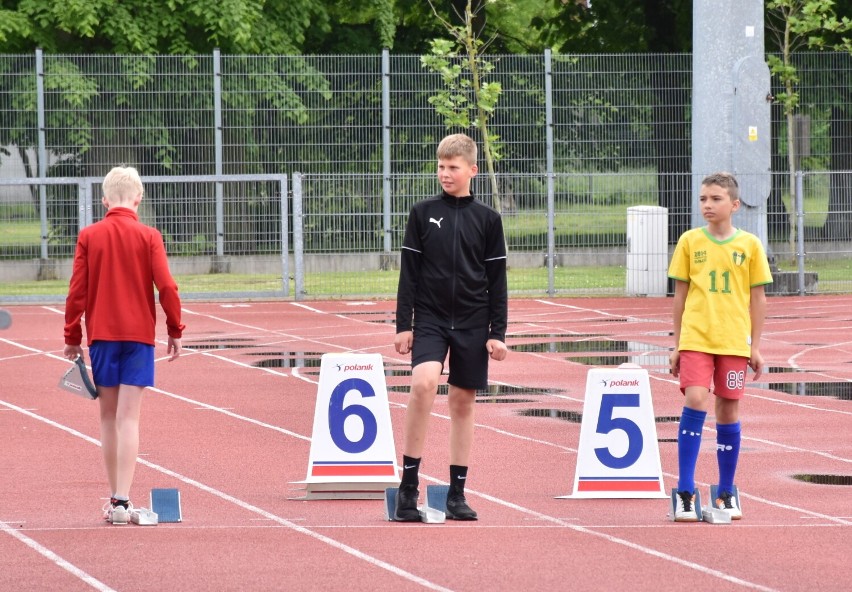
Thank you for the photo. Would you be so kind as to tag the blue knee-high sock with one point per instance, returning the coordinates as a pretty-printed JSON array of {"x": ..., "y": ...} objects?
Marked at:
[
  {"x": 727, "y": 453},
  {"x": 688, "y": 445}
]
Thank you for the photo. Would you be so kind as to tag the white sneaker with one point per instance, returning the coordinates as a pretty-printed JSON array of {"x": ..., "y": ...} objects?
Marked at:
[
  {"x": 685, "y": 507},
  {"x": 117, "y": 514},
  {"x": 729, "y": 503}
]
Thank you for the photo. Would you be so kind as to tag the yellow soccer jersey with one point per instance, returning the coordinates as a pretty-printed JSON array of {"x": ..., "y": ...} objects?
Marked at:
[{"x": 720, "y": 274}]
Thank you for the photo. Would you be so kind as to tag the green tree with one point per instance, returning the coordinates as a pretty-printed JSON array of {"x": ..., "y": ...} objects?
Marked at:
[
  {"x": 467, "y": 99},
  {"x": 158, "y": 26},
  {"x": 794, "y": 25}
]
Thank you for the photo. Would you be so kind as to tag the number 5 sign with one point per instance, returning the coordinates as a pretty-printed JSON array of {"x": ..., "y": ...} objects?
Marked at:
[
  {"x": 352, "y": 450},
  {"x": 618, "y": 456}
]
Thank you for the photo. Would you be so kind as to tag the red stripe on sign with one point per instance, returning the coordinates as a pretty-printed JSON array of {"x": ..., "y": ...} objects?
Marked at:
[
  {"x": 618, "y": 486},
  {"x": 352, "y": 470}
]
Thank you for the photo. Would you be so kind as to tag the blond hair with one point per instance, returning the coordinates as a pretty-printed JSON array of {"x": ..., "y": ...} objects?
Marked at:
[
  {"x": 122, "y": 185},
  {"x": 725, "y": 181},
  {"x": 457, "y": 145}
]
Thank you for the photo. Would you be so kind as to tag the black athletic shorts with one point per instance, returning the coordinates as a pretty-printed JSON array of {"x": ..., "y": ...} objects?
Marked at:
[{"x": 468, "y": 356}]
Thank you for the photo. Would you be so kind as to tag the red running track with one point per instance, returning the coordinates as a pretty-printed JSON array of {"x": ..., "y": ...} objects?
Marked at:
[{"x": 233, "y": 436}]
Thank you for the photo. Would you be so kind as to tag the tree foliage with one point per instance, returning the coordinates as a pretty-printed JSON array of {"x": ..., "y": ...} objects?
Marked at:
[
  {"x": 467, "y": 98},
  {"x": 159, "y": 26},
  {"x": 794, "y": 25}
]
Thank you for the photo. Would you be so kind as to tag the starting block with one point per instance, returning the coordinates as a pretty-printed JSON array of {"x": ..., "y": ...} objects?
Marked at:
[
  {"x": 436, "y": 497},
  {"x": 165, "y": 505},
  {"x": 697, "y": 506},
  {"x": 143, "y": 517},
  {"x": 390, "y": 503},
  {"x": 714, "y": 495},
  {"x": 428, "y": 513},
  {"x": 713, "y": 515}
]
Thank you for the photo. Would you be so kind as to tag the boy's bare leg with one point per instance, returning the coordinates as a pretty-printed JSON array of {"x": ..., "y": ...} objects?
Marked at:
[
  {"x": 127, "y": 427},
  {"x": 727, "y": 410},
  {"x": 696, "y": 397},
  {"x": 108, "y": 401},
  {"x": 424, "y": 388},
  {"x": 461, "y": 403}
]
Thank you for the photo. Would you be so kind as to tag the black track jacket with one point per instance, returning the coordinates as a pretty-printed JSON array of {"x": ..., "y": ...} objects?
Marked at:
[{"x": 453, "y": 267}]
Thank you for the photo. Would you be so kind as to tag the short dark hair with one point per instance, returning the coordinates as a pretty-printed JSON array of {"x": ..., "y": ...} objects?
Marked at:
[{"x": 725, "y": 181}]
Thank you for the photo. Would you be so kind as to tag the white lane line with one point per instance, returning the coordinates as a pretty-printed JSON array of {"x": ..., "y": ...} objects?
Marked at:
[{"x": 55, "y": 559}]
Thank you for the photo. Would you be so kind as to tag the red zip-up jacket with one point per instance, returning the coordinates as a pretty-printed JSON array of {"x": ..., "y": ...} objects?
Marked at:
[{"x": 117, "y": 263}]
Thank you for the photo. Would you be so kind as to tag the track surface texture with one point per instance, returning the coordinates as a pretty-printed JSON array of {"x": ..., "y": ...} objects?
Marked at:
[{"x": 230, "y": 425}]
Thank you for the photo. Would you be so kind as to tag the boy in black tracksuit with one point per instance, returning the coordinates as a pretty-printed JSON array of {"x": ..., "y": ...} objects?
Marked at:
[{"x": 452, "y": 297}]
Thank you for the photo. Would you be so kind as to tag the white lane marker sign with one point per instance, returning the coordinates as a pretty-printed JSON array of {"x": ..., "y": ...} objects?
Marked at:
[
  {"x": 352, "y": 449},
  {"x": 618, "y": 455}
]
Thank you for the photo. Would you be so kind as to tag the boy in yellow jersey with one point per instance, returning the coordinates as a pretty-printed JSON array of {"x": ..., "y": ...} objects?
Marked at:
[{"x": 719, "y": 307}]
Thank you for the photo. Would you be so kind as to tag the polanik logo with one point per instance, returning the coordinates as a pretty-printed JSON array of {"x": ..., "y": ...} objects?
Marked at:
[
  {"x": 354, "y": 367},
  {"x": 621, "y": 382}
]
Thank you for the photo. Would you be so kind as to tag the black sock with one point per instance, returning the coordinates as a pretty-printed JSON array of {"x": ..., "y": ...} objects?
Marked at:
[
  {"x": 120, "y": 501},
  {"x": 410, "y": 470},
  {"x": 458, "y": 475}
]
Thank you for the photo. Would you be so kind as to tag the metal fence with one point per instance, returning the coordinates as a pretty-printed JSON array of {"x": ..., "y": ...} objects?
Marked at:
[{"x": 583, "y": 137}]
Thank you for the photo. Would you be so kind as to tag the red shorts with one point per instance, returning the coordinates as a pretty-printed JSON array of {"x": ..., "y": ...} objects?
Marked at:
[{"x": 724, "y": 375}]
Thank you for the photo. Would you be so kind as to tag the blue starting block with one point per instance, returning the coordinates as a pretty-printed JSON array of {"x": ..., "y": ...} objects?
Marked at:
[
  {"x": 428, "y": 513},
  {"x": 166, "y": 504},
  {"x": 714, "y": 495},
  {"x": 390, "y": 503},
  {"x": 436, "y": 497}
]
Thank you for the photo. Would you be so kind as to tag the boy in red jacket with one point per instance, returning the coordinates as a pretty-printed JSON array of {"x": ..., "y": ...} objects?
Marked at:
[{"x": 117, "y": 263}]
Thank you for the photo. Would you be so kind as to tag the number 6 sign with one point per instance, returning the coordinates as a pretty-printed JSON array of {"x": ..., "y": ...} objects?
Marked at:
[
  {"x": 352, "y": 451},
  {"x": 618, "y": 456}
]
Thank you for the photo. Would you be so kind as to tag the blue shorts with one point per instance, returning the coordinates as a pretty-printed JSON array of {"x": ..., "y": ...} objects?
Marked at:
[{"x": 122, "y": 362}]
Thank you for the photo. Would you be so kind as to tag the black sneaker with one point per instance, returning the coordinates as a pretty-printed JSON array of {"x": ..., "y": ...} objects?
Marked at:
[
  {"x": 406, "y": 504},
  {"x": 457, "y": 508}
]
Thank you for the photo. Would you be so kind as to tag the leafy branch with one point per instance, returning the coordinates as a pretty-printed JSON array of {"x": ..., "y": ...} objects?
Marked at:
[{"x": 467, "y": 99}]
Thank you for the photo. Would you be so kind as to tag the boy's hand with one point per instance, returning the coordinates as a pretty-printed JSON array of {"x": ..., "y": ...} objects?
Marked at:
[
  {"x": 402, "y": 342},
  {"x": 755, "y": 362},
  {"x": 674, "y": 362},
  {"x": 173, "y": 349},
  {"x": 496, "y": 349},
  {"x": 72, "y": 351}
]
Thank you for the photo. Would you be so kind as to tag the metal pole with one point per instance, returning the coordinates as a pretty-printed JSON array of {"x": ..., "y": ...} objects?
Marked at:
[
  {"x": 800, "y": 230},
  {"x": 386, "y": 151},
  {"x": 551, "y": 217},
  {"x": 217, "y": 123},
  {"x": 298, "y": 237},
  {"x": 285, "y": 240},
  {"x": 42, "y": 150},
  {"x": 82, "y": 192}
]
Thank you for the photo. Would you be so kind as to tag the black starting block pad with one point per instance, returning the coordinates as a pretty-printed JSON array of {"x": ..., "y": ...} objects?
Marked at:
[
  {"x": 166, "y": 504},
  {"x": 697, "y": 505},
  {"x": 428, "y": 514}
]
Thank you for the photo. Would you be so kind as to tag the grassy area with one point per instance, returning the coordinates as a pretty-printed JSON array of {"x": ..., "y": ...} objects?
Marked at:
[
  {"x": 829, "y": 270},
  {"x": 834, "y": 276},
  {"x": 20, "y": 233},
  {"x": 318, "y": 285}
]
